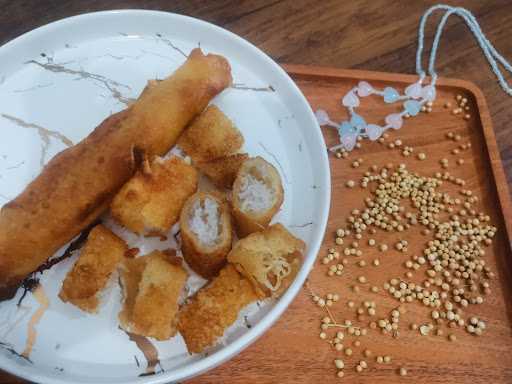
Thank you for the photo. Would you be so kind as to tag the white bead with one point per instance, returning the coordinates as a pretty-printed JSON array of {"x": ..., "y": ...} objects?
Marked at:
[
  {"x": 349, "y": 140},
  {"x": 394, "y": 120},
  {"x": 414, "y": 91},
  {"x": 322, "y": 117},
  {"x": 350, "y": 100},
  {"x": 373, "y": 131},
  {"x": 364, "y": 89},
  {"x": 428, "y": 93}
]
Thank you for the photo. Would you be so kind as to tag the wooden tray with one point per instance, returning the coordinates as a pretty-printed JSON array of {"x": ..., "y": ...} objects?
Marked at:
[{"x": 292, "y": 352}]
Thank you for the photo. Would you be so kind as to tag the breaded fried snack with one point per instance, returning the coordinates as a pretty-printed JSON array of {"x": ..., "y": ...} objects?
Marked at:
[
  {"x": 151, "y": 201},
  {"x": 269, "y": 259},
  {"x": 205, "y": 317},
  {"x": 206, "y": 233},
  {"x": 211, "y": 136},
  {"x": 99, "y": 257},
  {"x": 152, "y": 285},
  {"x": 79, "y": 183},
  {"x": 131, "y": 275},
  {"x": 222, "y": 171},
  {"x": 257, "y": 195}
]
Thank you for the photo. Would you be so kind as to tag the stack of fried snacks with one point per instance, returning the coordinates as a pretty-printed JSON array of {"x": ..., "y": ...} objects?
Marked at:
[
  {"x": 79, "y": 183},
  {"x": 259, "y": 266}
]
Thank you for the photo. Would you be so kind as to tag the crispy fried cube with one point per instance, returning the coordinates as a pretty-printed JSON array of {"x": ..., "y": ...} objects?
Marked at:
[
  {"x": 151, "y": 201},
  {"x": 203, "y": 320},
  {"x": 270, "y": 259},
  {"x": 211, "y": 136},
  {"x": 152, "y": 286},
  {"x": 222, "y": 171},
  {"x": 91, "y": 272}
]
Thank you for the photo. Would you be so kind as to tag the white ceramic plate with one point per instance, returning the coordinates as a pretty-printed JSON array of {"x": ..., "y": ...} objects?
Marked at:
[{"x": 60, "y": 81}]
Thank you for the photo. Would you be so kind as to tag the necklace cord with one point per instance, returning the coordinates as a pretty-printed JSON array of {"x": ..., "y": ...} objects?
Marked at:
[{"x": 490, "y": 53}]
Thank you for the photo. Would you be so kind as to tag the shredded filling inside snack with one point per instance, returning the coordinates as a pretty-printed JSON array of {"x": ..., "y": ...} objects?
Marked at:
[
  {"x": 255, "y": 195},
  {"x": 275, "y": 269},
  {"x": 205, "y": 221}
]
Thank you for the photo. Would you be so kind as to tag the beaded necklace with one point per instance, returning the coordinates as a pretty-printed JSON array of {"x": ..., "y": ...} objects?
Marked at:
[{"x": 416, "y": 95}]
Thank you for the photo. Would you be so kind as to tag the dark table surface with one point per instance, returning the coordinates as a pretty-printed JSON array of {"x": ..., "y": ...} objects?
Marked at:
[{"x": 373, "y": 35}]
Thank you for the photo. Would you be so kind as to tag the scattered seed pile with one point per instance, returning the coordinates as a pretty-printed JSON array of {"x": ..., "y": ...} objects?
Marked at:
[{"x": 456, "y": 274}]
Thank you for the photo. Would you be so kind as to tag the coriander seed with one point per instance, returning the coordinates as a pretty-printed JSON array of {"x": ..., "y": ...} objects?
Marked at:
[{"x": 339, "y": 363}]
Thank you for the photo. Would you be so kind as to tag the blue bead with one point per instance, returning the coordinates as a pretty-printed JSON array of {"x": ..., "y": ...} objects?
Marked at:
[
  {"x": 390, "y": 95},
  {"x": 345, "y": 128},
  {"x": 357, "y": 121},
  {"x": 412, "y": 107}
]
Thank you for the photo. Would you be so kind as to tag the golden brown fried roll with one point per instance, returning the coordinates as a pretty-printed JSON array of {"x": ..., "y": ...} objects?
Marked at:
[
  {"x": 79, "y": 183},
  {"x": 206, "y": 233},
  {"x": 211, "y": 136},
  {"x": 205, "y": 317},
  {"x": 257, "y": 195},
  {"x": 269, "y": 259},
  {"x": 152, "y": 285},
  {"x": 222, "y": 171},
  {"x": 91, "y": 272},
  {"x": 151, "y": 201}
]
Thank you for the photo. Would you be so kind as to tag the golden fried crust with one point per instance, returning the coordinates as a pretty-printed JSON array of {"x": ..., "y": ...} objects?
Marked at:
[
  {"x": 222, "y": 171},
  {"x": 78, "y": 184},
  {"x": 152, "y": 293},
  {"x": 205, "y": 260},
  {"x": 253, "y": 254},
  {"x": 151, "y": 201},
  {"x": 211, "y": 136},
  {"x": 131, "y": 274},
  {"x": 205, "y": 317},
  {"x": 91, "y": 272},
  {"x": 247, "y": 222}
]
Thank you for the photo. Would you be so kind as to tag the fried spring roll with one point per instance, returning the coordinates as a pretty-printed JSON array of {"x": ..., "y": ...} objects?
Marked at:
[
  {"x": 211, "y": 136},
  {"x": 151, "y": 201},
  {"x": 98, "y": 259},
  {"x": 257, "y": 195},
  {"x": 269, "y": 259},
  {"x": 205, "y": 317},
  {"x": 205, "y": 224},
  {"x": 79, "y": 183}
]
